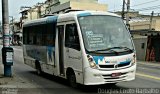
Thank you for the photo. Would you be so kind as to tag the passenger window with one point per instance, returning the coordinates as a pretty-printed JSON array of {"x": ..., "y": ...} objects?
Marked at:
[{"x": 71, "y": 37}]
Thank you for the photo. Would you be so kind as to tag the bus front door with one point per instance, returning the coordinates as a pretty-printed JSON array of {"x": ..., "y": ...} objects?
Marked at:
[{"x": 61, "y": 51}]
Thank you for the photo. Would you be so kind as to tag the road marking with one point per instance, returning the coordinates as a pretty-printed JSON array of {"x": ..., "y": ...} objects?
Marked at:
[{"x": 148, "y": 76}]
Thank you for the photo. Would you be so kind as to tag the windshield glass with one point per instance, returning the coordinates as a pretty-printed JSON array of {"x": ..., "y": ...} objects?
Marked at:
[{"x": 104, "y": 32}]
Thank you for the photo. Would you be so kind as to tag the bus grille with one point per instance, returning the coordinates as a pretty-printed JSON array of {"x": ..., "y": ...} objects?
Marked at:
[{"x": 112, "y": 66}]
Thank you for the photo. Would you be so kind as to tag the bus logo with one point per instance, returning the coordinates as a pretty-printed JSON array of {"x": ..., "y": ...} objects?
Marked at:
[{"x": 116, "y": 66}]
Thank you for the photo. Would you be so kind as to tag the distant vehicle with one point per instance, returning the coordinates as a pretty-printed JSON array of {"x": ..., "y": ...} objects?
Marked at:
[{"x": 86, "y": 47}]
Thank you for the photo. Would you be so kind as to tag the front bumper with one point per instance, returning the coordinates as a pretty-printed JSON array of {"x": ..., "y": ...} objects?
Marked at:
[{"x": 96, "y": 77}]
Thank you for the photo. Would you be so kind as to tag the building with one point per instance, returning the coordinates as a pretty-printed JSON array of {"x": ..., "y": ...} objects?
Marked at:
[
  {"x": 17, "y": 33},
  {"x": 147, "y": 44},
  {"x": 57, "y": 7},
  {"x": 89, "y": 1},
  {"x": 145, "y": 32},
  {"x": 140, "y": 43},
  {"x": 61, "y": 6},
  {"x": 145, "y": 24},
  {"x": 142, "y": 22},
  {"x": 35, "y": 12}
]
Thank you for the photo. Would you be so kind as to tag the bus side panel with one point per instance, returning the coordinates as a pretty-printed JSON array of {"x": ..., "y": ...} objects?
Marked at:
[
  {"x": 45, "y": 56},
  {"x": 49, "y": 65},
  {"x": 28, "y": 60},
  {"x": 32, "y": 53},
  {"x": 73, "y": 59}
]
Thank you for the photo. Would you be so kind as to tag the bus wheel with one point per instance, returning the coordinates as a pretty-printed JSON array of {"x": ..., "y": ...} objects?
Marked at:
[
  {"x": 38, "y": 68},
  {"x": 72, "y": 79}
]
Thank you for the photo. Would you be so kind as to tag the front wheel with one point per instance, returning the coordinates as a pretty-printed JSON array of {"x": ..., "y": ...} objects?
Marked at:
[{"x": 72, "y": 80}]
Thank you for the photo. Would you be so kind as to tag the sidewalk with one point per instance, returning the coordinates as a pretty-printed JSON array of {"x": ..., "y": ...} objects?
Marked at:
[
  {"x": 154, "y": 63},
  {"x": 4, "y": 80},
  {"x": 15, "y": 80},
  {"x": 14, "y": 84}
]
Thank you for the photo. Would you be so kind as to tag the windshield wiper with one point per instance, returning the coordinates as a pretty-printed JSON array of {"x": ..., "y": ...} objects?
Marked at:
[
  {"x": 126, "y": 48},
  {"x": 108, "y": 49}
]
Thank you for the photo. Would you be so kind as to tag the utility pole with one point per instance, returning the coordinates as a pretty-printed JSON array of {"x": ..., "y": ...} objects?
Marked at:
[
  {"x": 123, "y": 9},
  {"x": 151, "y": 19},
  {"x": 5, "y": 23},
  {"x": 127, "y": 16},
  {"x": 7, "y": 51},
  {"x": 12, "y": 28}
]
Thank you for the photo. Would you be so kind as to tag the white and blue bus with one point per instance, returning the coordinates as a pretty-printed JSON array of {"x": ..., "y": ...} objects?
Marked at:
[{"x": 85, "y": 47}]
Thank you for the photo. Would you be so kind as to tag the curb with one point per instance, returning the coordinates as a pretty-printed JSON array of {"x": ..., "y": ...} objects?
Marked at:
[{"x": 149, "y": 63}]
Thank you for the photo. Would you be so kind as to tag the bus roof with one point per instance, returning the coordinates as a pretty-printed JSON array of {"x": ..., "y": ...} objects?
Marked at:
[
  {"x": 49, "y": 19},
  {"x": 73, "y": 14}
]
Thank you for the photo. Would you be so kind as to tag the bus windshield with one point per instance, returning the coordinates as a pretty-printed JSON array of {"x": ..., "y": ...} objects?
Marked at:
[{"x": 102, "y": 32}]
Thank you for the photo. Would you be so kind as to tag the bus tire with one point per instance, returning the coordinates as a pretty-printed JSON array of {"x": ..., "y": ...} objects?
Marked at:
[
  {"x": 38, "y": 68},
  {"x": 72, "y": 79}
]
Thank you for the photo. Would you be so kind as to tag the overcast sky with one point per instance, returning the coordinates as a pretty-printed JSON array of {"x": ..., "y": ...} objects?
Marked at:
[{"x": 114, "y": 5}]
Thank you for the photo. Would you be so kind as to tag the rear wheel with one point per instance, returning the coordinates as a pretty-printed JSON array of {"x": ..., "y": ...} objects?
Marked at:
[
  {"x": 38, "y": 68},
  {"x": 39, "y": 72}
]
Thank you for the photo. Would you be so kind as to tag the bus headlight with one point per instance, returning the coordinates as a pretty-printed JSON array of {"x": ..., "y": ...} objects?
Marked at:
[
  {"x": 134, "y": 60},
  {"x": 91, "y": 62}
]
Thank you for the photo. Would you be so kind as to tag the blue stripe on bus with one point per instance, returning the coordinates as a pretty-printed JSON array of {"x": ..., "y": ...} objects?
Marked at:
[
  {"x": 125, "y": 62},
  {"x": 84, "y": 14},
  {"x": 52, "y": 19},
  {"x": 96, "y": 58}
]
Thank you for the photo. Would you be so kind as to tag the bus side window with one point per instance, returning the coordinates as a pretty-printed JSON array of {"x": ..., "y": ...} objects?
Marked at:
[{"x": 71, "y": 37}]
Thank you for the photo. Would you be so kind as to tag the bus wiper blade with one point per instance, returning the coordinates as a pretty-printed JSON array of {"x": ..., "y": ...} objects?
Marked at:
[
  {"x": 108, "y": 49},
  {"x": 126, "y": 48}
]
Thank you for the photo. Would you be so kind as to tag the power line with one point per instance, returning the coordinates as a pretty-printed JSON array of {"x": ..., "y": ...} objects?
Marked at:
[
  {"x": 148, "y": 8},
  {"x": 145, "y": 3}
]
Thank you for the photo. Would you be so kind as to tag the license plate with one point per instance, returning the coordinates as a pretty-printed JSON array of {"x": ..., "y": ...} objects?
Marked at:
[{"x": 116, "y": 74}]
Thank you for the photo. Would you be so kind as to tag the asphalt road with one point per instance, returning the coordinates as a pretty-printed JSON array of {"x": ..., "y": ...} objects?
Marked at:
[{"x": 147, "y": 77}]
